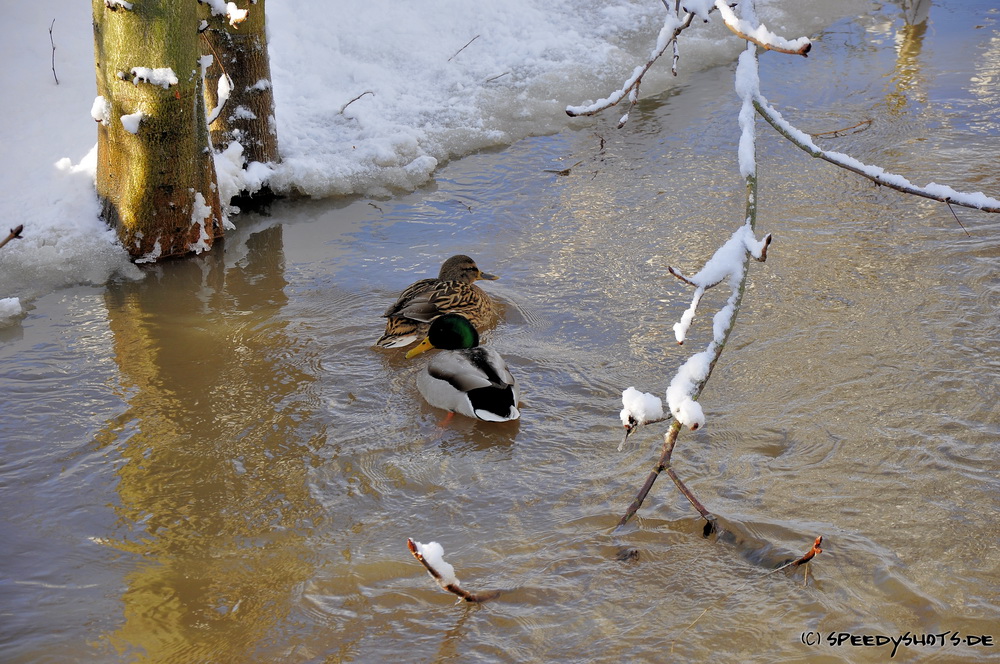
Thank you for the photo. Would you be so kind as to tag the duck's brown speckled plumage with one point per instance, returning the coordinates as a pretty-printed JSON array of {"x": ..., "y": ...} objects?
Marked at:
[{"x": 452, "y": 291}]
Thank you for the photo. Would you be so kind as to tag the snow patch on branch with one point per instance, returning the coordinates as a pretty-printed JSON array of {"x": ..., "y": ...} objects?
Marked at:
[
  {"x": 747, "y": 86},
  {"x": 224, "y": 89},
  {"x": 433, "y": 556},
  {"x": 663, "y": 40},
  {"x": 729, "y": 261},
  {"x": 640, "y": 408}
]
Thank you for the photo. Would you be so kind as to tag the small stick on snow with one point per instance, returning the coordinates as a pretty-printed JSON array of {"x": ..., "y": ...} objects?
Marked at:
[
  {"x": 463, "y": 48},
  {"x": 52, "y": 41}
]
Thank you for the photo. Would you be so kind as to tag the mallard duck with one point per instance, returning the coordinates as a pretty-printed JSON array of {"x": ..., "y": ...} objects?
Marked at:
[
  {"x": 465, "y": 377},
  {"x": 452, "y": 292}
]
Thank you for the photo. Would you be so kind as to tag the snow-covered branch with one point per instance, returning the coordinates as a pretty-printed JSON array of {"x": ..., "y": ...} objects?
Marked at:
[
  {"x": 760, "y": 35},
  {"x": 730, "y": 261},
  {"x": 672, "y": 27},
  {"x": 937, "y": 192},
  {"x": 431, "y": 556}
]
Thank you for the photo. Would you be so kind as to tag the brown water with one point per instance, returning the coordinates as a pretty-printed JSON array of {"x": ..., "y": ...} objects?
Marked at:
[{"x": 215, "y": 465}]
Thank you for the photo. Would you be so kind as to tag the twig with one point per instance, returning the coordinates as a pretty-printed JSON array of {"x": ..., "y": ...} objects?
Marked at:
[
  {"x": 810, "y": 554},
  {"x": 837, "y": 133},
  {"x": 669, "y": 440},
  {"x": 53, "y": 43},
  {"x": 493, "y": 78},
  {"x": 15, "y": 234},
  {"x": 366, "y": 92},
  {"x": 876, "y": 175},
  {"x": 463, "y": 48},
  {"x": 957, "y": 219},
  {"x": 450, "y": 587}
]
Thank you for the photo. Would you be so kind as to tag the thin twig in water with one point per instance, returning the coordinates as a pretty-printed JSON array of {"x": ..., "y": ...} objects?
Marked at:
[
  {"x": 464, "y": 47},
  {"x": 837, "y": 133},
  {"x": 958, "y": 220},
  {"x": 53, "y": 43},
  {"x": 493, "y": 78}
]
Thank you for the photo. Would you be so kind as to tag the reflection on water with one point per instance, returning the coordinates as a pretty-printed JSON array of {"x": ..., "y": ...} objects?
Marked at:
[
  {"x": 216, "y": 464},
  {"x": 216, "y": 442}
]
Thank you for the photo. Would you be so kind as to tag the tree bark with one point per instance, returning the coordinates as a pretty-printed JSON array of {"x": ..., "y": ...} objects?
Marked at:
[
  {"x": 239, "y": 51},
  {"x": 155, "y": 172}
]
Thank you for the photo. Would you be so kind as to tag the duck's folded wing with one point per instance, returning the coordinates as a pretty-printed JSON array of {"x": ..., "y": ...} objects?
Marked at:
[{"x": 460, "y": 370}]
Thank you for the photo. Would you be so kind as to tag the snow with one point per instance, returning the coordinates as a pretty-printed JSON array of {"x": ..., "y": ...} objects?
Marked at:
[
  {"x": 427, "y": 102},
  {"x": 224, "y": 89},
  {"x": 161, "y": 76},
  {"x": 640, "y": 407},
  {"x": 101, "y": 110},
  {"x": 433, "y": 555},
  {"x": 200, "y": 211},
  {"x": 10, "y": 307},
  {"x": 131, "y": 121},
  {"x": 747, "y": 86}
]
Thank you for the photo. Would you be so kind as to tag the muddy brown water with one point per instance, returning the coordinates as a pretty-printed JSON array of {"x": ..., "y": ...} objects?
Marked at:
[{"x": 214, "y": 464}]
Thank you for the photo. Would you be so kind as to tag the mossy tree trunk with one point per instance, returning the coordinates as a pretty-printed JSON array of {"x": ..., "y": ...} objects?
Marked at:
[
  {"x": 240, "y": 63},
  {"x": 155, "y": 170}
]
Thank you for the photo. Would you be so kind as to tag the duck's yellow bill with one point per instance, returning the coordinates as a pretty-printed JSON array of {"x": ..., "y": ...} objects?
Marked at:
[{"x": 419, "y": 348}]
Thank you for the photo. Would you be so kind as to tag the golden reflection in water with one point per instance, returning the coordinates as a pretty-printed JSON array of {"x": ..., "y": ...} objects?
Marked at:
[
  {"x": 213, "y": 493},
  {"x": 906, "y": 80}
]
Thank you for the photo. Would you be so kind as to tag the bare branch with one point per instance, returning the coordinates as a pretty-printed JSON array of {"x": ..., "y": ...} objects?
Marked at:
[
  {"x": 366, "y": 92},
  {"x": 463, "y": 48},
  {"x": 15, "y": 234},
  {"x": 837, "y": 133},
  {"x": 53, "y": 43}
]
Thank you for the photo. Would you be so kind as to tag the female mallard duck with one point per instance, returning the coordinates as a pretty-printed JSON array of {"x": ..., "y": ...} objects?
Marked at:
[
  {"x": 452, "y": 292},
  {"x": 466, "y": 378}
]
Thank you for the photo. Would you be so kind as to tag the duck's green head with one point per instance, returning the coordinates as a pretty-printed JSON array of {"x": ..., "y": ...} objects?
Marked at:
[{"x": 448, "y": 332}]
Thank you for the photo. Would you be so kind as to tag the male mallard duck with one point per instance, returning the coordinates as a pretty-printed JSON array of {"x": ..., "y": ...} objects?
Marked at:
[
  {"x": 452, "y": 292},
  {"x": 466, "y": 378}
]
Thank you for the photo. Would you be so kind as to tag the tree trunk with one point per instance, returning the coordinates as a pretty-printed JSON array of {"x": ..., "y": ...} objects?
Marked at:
[
  {"x": 238, "y": 84},
  {"x": 155, "y": 172}
]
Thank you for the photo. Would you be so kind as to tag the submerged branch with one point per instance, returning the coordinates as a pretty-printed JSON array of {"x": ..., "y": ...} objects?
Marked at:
[{"x": 877, "y": 175}]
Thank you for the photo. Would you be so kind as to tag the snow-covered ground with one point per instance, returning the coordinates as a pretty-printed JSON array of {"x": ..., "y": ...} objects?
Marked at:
[{"x": 371, "y": 97}]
